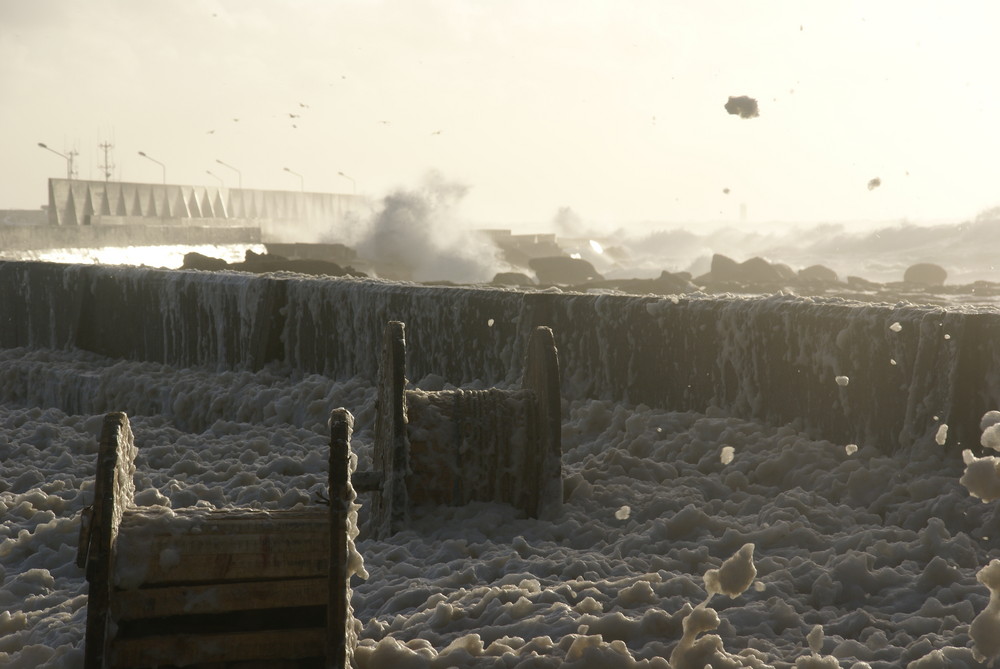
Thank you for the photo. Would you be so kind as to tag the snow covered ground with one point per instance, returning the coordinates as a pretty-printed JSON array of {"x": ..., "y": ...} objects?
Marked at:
[{"x": 881, "y": 553}]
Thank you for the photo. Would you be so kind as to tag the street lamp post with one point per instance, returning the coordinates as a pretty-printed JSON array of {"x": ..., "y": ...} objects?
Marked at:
[
  {"x": 354, "y": 187},
  {"x": 239, "y": 175},
  {"x": 222, "y": 184},
  {"x": 302, "y": 182},
  {"x": 70, "y": 170},
  {"x": 162, "y": 166}
]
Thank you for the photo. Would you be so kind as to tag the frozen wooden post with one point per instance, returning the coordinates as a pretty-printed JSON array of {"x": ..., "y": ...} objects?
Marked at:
[
  {"x": 114, "y": 493},
  {"x": 222, "y": 587},
  {"x": 454, "y": 447},
  {"x": 338, "y": 617},
  {"x": 391, "y": 457}
]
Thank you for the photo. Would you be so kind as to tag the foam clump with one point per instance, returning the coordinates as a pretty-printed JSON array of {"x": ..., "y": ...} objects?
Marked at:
[
  {"x": 985, "y": 629},
  {"x": 734, "y": 576},
  {"x": 990, "y": 426},
  {"x": 982, "y": 476},
  {"x": 949, "y": 657},
  {"x": 814, "y": 660}
]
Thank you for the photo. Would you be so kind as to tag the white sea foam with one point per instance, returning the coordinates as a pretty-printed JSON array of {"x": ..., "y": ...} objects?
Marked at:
[{"x": 881, "y": 551}]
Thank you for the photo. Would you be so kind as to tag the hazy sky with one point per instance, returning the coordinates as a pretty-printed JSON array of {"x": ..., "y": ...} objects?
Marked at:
[{"x": 614, "y": 109}]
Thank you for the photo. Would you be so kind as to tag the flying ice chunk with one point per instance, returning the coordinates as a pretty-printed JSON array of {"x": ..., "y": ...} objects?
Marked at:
[
  {"x": 623, "y": 513},
  {"x": 942, "y": 434},
  {"x": 842, "y": 380},
  {"x": 851, "y": 449},
  {"x": 985, "y": 629},
  {"x": 896, "y": 327},
  {"x": 728, "y": 452},
  {"x": 734, "y": 576}
]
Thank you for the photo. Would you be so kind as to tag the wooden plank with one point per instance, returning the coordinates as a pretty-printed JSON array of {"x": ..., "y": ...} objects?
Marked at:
[
  {"x": 184, "y": 649},
  {"x": 267, "y": 538},
  {"x": 114, "y": 491},
  {"x": 367, "y": 481},
  {"x": 217, "y": 545},
  {"x": 217, "y": 598},
  {"x": 222, "y": 566},
  {"x": 338, "y": 614},
  {"x": 198, "y": 520}
]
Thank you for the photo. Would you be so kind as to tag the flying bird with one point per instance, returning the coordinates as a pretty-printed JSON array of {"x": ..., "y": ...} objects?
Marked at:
[
  {"x": 303, "y": 105},
  {"x": 436, "y": 132},
  {"x": 290, "y": 115}
]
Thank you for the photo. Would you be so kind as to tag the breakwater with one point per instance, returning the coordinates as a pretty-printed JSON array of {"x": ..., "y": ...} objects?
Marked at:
[
  {"x": 840, "y": 370},
  {"x": 43, "y": 237}
]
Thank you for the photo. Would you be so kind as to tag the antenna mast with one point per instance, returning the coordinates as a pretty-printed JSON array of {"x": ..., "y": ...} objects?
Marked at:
[{"x": 108, "y": 166}]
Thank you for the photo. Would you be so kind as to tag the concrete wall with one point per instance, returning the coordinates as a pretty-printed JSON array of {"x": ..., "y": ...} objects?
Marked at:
[{"x": 772, "y": 359}]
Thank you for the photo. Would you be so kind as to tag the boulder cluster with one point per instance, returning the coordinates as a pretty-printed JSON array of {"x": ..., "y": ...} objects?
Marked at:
[{"x": 261, "y": 263}]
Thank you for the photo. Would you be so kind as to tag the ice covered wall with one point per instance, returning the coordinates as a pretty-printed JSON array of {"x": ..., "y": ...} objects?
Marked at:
[{"x": 845, "y": 371}]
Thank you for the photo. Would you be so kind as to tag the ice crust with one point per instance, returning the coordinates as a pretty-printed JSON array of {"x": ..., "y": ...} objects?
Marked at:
[
  {"x": 880, "y": 549},
  {"x": 848, "y": 371}
]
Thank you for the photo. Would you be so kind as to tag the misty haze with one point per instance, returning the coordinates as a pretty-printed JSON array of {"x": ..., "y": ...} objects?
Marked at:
[{"x": 386, "y": 334}]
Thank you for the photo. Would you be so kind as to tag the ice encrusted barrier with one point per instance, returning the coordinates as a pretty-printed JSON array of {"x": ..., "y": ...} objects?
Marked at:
[{"x": 853, "y": 372}]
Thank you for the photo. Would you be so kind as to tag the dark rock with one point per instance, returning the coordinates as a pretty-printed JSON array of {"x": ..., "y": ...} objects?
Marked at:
[
  {"x": 818, "y": 274},
  {"x": 665, "y": 284},
  {"x": 857, "y": 283},
  {"x": 512, "y": 279},
  {"x": 758, "y": 270},
  {"x": 260, "y": 263},
  {"x": 724, "y": 268},
  {"x": 786, "y": 272},
  {"x": 926, "y": 273},
  {"x": 194, "y": 260},
  {"x": 564, "y": 271}
]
